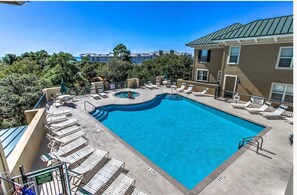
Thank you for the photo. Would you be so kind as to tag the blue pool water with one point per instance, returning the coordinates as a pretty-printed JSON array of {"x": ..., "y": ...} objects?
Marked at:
[
  {"x": 186, "y": 139},
  {"x": 124, "y": 94}
]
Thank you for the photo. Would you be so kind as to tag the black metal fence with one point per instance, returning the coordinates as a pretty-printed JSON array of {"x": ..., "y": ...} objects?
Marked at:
[{"x": 50, "y": 180}]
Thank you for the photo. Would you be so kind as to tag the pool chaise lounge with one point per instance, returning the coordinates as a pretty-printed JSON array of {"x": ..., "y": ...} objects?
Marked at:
[
  {"x": 102, "y": 177},
  {"x": 59, "y": 112},
  {"x": 189, "y": 90},
  {"x": 56, "y": 140},
  {"x": 55, "y": 119},
  {"x": 148, "y": 86},
  {"x": 152, "y": 85},
  {"x": 201, "y": 93},
  {"x": 257, "y": 110},
  {"x": 63, "y": 124},
  {"x": 76, "y": 156},
  {"x": 241, "y": 106},
  {"x": 70, "y": 147},
  {"x": 120, "y": 185},
  {"x": 182, "y": 87},
  {"x": 64, "y": 132},
  {"x": 136, "y": 191},
  {"x": 93, "y": 160},
  {"x": 276, "y": 114}
]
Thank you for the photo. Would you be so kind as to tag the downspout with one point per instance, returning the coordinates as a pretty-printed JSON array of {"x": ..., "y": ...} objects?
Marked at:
[
  {"x": 193, "y": 69},
  {"x": 222, "y": 71}
]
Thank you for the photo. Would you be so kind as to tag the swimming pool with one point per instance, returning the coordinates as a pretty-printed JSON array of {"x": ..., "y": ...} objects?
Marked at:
[{"x": 186, "y": 139}]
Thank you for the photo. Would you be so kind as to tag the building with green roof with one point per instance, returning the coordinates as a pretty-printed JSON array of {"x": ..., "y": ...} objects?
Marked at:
[{"x": 253, "y": 59}]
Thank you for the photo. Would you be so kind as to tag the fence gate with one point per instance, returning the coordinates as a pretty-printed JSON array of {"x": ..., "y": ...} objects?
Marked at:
[{"x": 52, "y": 180}]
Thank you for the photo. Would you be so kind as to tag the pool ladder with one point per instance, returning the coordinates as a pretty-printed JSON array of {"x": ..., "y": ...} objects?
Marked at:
[{"x": 252, "y": 141}]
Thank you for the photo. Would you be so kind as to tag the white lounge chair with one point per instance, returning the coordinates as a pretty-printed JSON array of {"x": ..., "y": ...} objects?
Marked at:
[
  {"x": 64, "y": 132},
  {"x": 276, "y": 114},
  {"x": 152, "y": 85},
  {"x": 290, "y": 119},
  {"x": 102, "y": 177},
  {"x": 64, "y": 124},
  {"x": 257, "y": 110},
  {"x": 136, "y": 191},
  {"x": 93, "y": 160},
  {"x": 120, "y": 185},
  {"x": 76, "y": 156},
  {"x": 242, "y": 106},
  {"x": 182, "y": 87},
  {"x": 102, "y": 94},
  {"x": 58, "y": 113},
  {"x": 64, "y": 150},
  {"x": 96, "y": 96},
  {"x": 55, "y": 119},
  {"x": 201, "y": 93},
  {"x": 189, "y": 90},
  {"x": 64, "y": 140},
  {"x": 148, "y": 86}
]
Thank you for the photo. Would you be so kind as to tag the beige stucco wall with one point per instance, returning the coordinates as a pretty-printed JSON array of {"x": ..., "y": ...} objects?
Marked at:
[
  {"x": 49, "y": 91},
  {"x": 26, "y": 149},
  {"x": 133, "y": 82},
  {"x": 213, "y": 66},
  {"x": 256, "y": 69}
]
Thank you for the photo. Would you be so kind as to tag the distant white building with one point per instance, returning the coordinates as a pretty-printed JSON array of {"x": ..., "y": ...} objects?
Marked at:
[{"x": 136, "y": 58}]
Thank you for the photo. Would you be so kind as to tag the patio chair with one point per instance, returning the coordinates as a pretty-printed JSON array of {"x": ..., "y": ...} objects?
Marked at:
[
  {"x": 64, "y": 140},
  {"x": 276, "y": 114},
  {"x": 152, "y": 85},
  {"x": 189, "y": 90},
  {"x": 136, "y": 191},
  {"x": 58, "y": 103},
  {"x": 257, "y": 110},
  {"x": 55, "y": 119},
  {"x": 202, "y": 93},
  {"x": 241, "y": 106},
  {"x": 182, "y": 87},
  {"x": 96, "y": 96},
  {"x": 120, "y": 185},
  {"x": 58, "y": 113},
  {"x": 64, "y": 124},
  {"x": 65, "y": 131},
  {"x": 76, "y": 156},
  {"x": 90, "y": 163},
  {"x": 101, "y": 178}
]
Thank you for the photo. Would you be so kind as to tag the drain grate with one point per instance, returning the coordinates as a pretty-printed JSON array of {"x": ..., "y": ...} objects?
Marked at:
[
  {"x": 221, "y": 178},
  {"x": 152, "y": 171}
]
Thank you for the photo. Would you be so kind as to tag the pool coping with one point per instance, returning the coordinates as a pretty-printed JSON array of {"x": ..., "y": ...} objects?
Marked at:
[{"x": 208, "y": 179}]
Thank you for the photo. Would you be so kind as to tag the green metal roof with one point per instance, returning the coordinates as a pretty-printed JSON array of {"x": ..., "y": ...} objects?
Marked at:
[
  {"x": 266, "y": 27},
  {"x": 208, "y": 39}
]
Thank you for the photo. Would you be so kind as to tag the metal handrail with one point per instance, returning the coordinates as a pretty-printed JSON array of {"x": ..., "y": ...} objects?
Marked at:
[
  {"x": 241, "y": 143},
  {"x": 86, "y": 105},
  {"x": 252, "y": 137}
]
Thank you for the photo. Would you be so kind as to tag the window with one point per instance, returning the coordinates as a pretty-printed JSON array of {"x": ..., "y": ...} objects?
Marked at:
[
  {"x": 285, "y": 58},
  {"x": 234, "y": 53},
  {"x": 282, "y": 92},
  {"x": 202, "y": 75},
  {"x": 204, "y": 56},
  {"x": 219, "y": 76}
]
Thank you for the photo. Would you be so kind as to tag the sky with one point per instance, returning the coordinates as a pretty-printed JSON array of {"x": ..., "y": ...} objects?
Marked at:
[{"x": 97, "y": 27}]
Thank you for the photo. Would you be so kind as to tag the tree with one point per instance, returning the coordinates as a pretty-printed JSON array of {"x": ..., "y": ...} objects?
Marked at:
[
  {"x": 17, "y": 94},
  {"x": 9, "y": 59},
  {"x": 121, "y": 52}
]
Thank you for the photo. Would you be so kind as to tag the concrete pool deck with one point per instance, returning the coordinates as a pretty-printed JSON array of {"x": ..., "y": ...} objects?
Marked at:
[{"x": 250, "y": 173}]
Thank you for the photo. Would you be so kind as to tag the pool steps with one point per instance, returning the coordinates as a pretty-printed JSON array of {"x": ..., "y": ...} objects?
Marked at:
[{"x": 99, "y": 114}]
